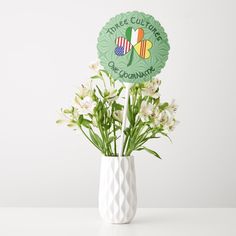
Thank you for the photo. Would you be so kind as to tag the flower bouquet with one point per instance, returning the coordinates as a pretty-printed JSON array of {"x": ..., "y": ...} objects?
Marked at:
[{"x": 97, "y": 112}]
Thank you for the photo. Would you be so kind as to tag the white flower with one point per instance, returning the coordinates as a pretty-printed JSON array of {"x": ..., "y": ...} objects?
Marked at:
[
  {"x": 168, "y": 121},
  {"x": 86, "y": 106},
  {"x": 111, "y": 95},
  {"x": 85, "y": 90},
  {"x": 145, "y": 111},
  {"x": 150, "y": 88},
  {"x": 165, "y": 117},
  {"x": 156, "y": 117},
  {"x": 172, "y": 108},
  {"x": 118, "y": 115},
  {"x": 173, "y": 124},
  {"x": 95, "y": 66}
]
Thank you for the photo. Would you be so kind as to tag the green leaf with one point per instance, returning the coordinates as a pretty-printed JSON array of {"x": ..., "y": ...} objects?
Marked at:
[
  {"x": 105, "y": 72},
  {"x": 111, "y": 139},
  {"x": 166, "y": 135},
  {"x": 95, "y": 77},
  {"x": 80, "y": 120},
  {"x": 129, "y": 113},
  {"x": 163, "y": 106},
  {"x": 67, "y": 111},
  {"x": 120, "y": 90},
  {"x": 127, "y": 131},
  {"x": 117, "y": 106},
  {"x": 157, "y": 101},
  {"x": 150, "y": 151},
  {"x": 96, "y": 139},
  {"x": 139, "y": 103},
  {"x": 86, "y": 123},
  {"x": 100, "y": 92},
  {"x": 71, "y": 125},
  {"x": 60, "y": 121}
]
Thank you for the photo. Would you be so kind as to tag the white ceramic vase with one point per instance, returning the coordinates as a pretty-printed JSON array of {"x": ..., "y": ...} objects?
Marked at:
[{"x": 117, "y": 190}]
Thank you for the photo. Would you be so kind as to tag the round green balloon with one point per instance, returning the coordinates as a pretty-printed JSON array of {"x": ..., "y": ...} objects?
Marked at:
[{"x": 133, "y": 47}]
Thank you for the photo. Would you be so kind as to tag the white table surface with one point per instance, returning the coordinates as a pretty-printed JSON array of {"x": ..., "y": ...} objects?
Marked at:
[{"x": 86, "y": 221}]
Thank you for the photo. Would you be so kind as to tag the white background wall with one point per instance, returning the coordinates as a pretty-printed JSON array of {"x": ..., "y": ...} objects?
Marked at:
[{"x": 45, "y": 47}]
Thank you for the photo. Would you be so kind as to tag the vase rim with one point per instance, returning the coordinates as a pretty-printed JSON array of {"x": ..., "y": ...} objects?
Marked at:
[{"x": 118, "y": 156}]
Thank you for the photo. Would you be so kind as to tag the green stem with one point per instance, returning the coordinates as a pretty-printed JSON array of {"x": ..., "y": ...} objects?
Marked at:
[
  {"x": 104, "y": 140},
  {"x": 104, "y": 83},
  {"x": 114, "y": 130},
  {"x": 108, "y": 144},
  {"x": 131, "y": 57},
  {"x": 89, "y": 139},
  {"x": 133, "y": 136},
  {"x": 140, "y": 141},
  {"x": 129, "y": 140}
]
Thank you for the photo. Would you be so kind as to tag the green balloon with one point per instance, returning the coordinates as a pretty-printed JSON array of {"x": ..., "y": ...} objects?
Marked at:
[{"x": 133, "y": 47}]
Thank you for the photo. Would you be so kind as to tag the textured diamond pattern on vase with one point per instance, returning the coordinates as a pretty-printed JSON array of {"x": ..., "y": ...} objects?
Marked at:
[{"x": 117, "y": 190}]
